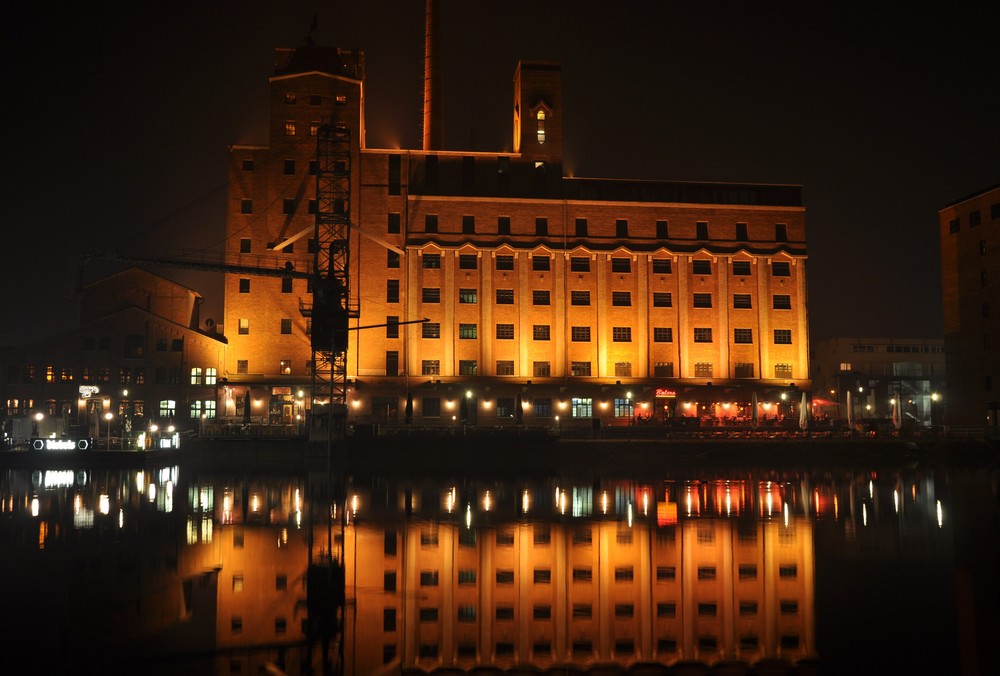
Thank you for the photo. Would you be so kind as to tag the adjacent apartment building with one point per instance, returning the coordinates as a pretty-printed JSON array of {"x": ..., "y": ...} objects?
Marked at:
[{"x": 970, "y": 280}]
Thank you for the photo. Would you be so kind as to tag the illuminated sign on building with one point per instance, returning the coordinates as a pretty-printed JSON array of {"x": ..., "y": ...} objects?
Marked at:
[
  {"x": 87, "y": 391},
  {"x": 666, "y": 392},
  {"x": 60, "y": 444}
]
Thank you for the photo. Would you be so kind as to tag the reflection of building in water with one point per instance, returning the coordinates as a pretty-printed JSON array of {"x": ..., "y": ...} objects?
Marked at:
[{"x": 447, "y": 594}]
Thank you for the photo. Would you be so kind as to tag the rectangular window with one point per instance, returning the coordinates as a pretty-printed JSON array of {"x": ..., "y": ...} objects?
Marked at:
[
  {"x": 623, "y": 369},
  {"x": 468, "y": 367},
  {"x": 540, "y": 297},
  {"x": 286, "y": 326},
  {"x": 505, "y": 332},
  {"x": 391, "y": 259},
  {"x": 701, "y": 267},
  {"x": 393, "y": 223},
  {"x": 743, "y": 370},
  {"x": 392, "y": 291},
  {"x": 468, "y": 296},
  {"x": 782, "y": 371},
  {"x": 247, "y": 165},
  {"x": 467, "y": 331},
  {"x": 505, "y": 367},
  {"x": 242, "y": 366},
  {"x": 505, "y": 262},
  {"x": 541, "y": 369},
  {"x": 430, "y": 261},
  {"x": 541, "y": 227},
  {"x": 661, "y": 266},
  {"x": 581, "y": 227},
  {"x": 430, "y": 367},
  {"x": 662, "y": 299},
  {"x": 663, "y": 334},
  {"x": 430, "y": 294},
  {"x": 245, "y": 245},
  {"x": 504, "y": 576},
  {"x": 621, "y": 228},
  {"x": 392, "y": 326},
  {"x": 703, "y": 370},
  {"x": 428, "y": 578},
  {"x": 621, "y": 265},
  {"x": 540, "y": 332},
  {"x": 540, "y": 262},
  {"x": 246, "y": 206},
  {"x": 286, "y": 285},
  {"x": 467, "y": 261},
  {"x": 244, "y": 285},
  {"x": 741, "y": 232},
  {"x": 287, "y": 208},
  {"x": 579, "y": 298},
  {"x": 701, "y": 230},
  {"x": 430, "y": 223},
  {"x": 503, "y": 225},
  {"x": 621, "y": 334},
  {"x": 542, "y": 576},
  {"x": 780, "y": 232},
  {"x": 289, "y": 168},
  {"x": 395, "y": 170},
  {"x": 782, "y": 337},
  {"x": 580, "y": 368},
  {"x": 662, "y": 230},
  {"x": 747, "y": 571},
  {"x": 743, "y": 336},
  {"x": 580, "y": 334},
  {"x": 703, "y": 300},
  {"x": 703, "y": 335},
  {"x": 431, "y": 330},
  {"x": 244, "y": 327},
  {"x": 579, "y": 264},
  {"x": 742, "y": 301},
  {"x": 741, "y": 268},
  {"x": 781, "y": 269},
  {"x": 468, "y": 225},
  {"x": 781, "y": 302},
  {"x": 505, "y": 296},
  {"x": 624, "y": 574},
  {"x": 391, "y": 363},
  {"x": 621, "y": 298},
  {"x": 954, "y": 225}
]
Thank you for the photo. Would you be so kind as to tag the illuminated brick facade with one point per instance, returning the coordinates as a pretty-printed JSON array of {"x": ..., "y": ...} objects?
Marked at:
[{"x": 654, "y": 293}]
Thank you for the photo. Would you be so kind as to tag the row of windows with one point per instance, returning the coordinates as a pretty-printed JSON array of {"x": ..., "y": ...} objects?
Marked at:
[
  {"x": 582, "y": 298},
  {"x": 905, "y": 349},
  {"x": 582, "y": 334},
  {"x": 699, "y": 266},
  {"x": 243, "y": 326},
  {"x": 127, "y": 375},
  {"x": 974, "y": 218},
  {"x": 582, "y": 228},
  {"x": 133, "y": 345}
]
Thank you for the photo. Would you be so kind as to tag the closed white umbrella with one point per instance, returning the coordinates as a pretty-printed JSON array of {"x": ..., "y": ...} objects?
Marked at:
[
  {"x": 753, "y": 410},
  {"x": 804, "y": 413},
  {"x": 850, "y": 411}
]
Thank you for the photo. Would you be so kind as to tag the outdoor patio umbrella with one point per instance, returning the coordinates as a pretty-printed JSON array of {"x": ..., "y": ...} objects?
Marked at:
[
  {"x": 804, "y": 413},
  {"x": 246, "y": 408},
  {"x": 895, "y": 412},
  {"x": 753, "y": 410},
  {"x": 850, "y": 411}
]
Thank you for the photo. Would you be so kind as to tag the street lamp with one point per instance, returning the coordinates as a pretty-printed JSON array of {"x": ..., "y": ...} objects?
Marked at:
[{"x": 108, "y": 416}]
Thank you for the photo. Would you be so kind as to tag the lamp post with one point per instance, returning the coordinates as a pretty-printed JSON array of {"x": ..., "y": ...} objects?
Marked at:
[{"x": 108, "y": 416}]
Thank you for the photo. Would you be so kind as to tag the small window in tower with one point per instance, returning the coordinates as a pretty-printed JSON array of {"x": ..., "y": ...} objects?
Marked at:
[
  {"x": 289, "y": 128},
  {"x": 540, "y": 117},
  {"x": 290, "y": 99},
  {"x": 341, "y": 100}
]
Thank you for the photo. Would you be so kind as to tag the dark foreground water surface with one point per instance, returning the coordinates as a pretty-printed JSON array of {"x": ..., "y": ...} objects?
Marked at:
[{"x": 243, "y": 566}]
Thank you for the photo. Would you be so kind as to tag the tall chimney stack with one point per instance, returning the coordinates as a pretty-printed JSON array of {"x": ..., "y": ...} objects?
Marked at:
[{"x": 433, "y": 113}]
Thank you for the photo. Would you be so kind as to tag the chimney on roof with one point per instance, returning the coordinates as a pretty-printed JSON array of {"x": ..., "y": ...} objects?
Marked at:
[{"x": 433, "y": 113}]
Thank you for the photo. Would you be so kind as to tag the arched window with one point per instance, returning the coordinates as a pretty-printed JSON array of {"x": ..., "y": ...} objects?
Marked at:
[{"x": 540, "y": 118}]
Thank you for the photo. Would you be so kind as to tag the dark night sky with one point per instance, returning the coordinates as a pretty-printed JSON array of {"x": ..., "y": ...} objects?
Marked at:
[{"x": 119, "y": 115}]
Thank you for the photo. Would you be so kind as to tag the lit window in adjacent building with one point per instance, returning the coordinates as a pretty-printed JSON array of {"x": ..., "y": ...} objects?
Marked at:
[
  {"x": 505, "y": 332},
  {"x": 582, "y": 407},
  {"x": 540, "y": 130},
  {"x": 743, "y": 336},
  {"x": 663, "y": 334},
  {"x": 703, "y": 335},
  {"x": 196, "y": 375},
  {"x": 621, "y": 334},
  {"x": 290, "y": 99},
  {"x": 211, "y": 376},
  {"x": 289, "y": 128},
  {"x": 168, "y": 408},
  {"x": 314, "y": 128}
]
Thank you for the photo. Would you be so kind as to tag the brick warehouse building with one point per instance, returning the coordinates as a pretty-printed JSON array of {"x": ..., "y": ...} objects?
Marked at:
[{"x": 573, "y": 297}]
